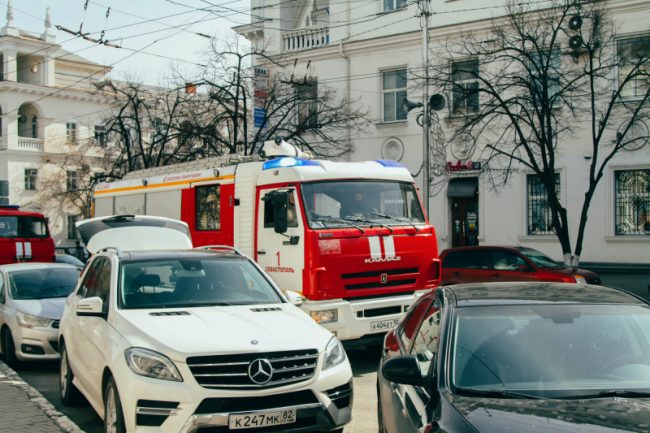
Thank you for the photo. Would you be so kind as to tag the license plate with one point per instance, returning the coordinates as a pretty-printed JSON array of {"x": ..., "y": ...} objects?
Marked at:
[
  {"x": 383, "y": 325},
  {"x": 263, "y": 419}
]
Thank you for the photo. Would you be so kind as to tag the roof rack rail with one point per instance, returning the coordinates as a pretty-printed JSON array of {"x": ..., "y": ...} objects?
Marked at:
[
  {"x": 116, "y": 249},
  {"x": 221, "y": 247}
]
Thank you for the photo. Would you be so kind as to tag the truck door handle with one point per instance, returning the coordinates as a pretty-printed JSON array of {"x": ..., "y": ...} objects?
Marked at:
[
  {"x": 261, "y": 252},
  {"x": 455, "y": 274},
  {"x": 497, "y": 275}
]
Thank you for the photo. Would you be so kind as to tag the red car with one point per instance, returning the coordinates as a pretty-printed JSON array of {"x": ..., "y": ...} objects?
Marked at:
[{"x": 501, "y": 263}]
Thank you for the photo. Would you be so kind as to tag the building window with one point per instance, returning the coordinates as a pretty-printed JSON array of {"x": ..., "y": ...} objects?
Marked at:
[
  {"x": 72, "y": 181},
  {"x": 71, "y": 132},
  {"x": 100, "y": 135},
  {"x": 541, "y": 75},
  {"x": 464, "y": 77},
  {"x": 30, "y": 179},
  {"x": 391, "y": 5},
  {"x": 307, "y": 101},
  {"x": 394, "y": 94},
  {"x": 72, "y": 228},
  {"x": 632, "y": 202},
  {"x": 207, "y": 207},
  {"x": 35, "y": 127},
  {"x": 633, "y": 52},
  {"x": 540, "y": 219}
]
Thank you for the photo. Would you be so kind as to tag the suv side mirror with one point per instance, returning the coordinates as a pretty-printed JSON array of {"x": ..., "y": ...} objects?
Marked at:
[
  {"x": 403, "y": 369},
  {"x": 91, "y": 307}
]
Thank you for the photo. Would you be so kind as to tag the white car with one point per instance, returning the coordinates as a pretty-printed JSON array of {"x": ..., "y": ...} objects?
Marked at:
[
  {"x": 193, "y": 340},
  {"x": 32, "y": 297}
]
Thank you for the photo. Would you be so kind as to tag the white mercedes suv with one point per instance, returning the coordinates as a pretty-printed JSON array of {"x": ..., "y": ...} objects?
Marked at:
[{"x": 193, "y": 340}]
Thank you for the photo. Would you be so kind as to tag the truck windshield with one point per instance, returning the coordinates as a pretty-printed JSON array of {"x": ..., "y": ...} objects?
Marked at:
[
  {"x": 193, "y": 282},
  {"x": 361, "y": 203},
  {"x": 22, "y": 227}
]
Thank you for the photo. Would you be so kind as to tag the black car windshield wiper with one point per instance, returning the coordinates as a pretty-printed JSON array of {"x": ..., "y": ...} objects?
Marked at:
[
  {"x": 391, "y": 217},
  {"x": 623, "y": 393},
  {"x": 497, "y": 393}
]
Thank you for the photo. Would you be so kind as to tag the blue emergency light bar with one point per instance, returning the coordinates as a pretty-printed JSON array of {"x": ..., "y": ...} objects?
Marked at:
[
  {"x": 288, "y": 162},
  {"x": 389, "y": 163}
]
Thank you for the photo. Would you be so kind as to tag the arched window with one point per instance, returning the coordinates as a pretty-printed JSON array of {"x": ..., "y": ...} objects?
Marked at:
[{"x": 35, "y": 127}]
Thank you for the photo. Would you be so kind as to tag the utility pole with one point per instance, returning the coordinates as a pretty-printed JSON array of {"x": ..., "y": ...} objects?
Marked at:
[{"x": 424, "y": 18}]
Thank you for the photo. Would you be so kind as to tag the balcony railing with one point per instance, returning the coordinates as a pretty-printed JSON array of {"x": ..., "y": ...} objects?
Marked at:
[
  {"x": 27, "y": 143},
  {"x": 305, "y": 38}
]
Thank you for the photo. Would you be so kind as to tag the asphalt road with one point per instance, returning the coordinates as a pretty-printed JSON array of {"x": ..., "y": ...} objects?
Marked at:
[{"x": 45, "y": 378}]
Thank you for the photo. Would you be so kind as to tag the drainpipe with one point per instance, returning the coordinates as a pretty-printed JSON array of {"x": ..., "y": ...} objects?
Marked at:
[{"x": 348, "y": 90}]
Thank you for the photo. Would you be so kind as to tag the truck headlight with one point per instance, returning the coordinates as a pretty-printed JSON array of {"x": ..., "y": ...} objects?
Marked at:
[
  {"x": 334, "y": 353},
  {"x": 28, "y": 321},
  {"x": 148, "y": 363},
  {"x": 325, "y": 316}
]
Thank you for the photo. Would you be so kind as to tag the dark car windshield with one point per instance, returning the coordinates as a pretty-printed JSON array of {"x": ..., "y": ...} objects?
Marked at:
[
  {"x": 193, "y": 282},
  {"x": 539, "y": 259},
  {"x": 42, "y": 283},
  {"x": 554, "y": 350},
  {"x": 361, "y": 203}
]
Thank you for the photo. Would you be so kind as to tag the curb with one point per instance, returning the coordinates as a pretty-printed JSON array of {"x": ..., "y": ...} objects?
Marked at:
[{"x": 37, "y": 398}]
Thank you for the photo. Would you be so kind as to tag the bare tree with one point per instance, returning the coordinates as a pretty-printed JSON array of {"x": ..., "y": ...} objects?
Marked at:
[
  {"x": 297, "y": 108},
  {"x": 543, "y": 74}
]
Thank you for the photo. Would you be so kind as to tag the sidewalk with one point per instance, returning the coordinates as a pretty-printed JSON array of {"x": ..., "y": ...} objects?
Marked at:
[{"x": 24, "y": 409}]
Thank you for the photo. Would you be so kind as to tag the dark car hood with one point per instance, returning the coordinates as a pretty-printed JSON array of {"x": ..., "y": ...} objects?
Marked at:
[{"x": 602, "y": 415}]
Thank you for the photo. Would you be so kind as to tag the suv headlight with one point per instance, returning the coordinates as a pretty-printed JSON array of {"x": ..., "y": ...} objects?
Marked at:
[
  {"x": 334, "y": 353},
  {"x": 28, "y": 321},
  {"x": 148, "y": 363}
]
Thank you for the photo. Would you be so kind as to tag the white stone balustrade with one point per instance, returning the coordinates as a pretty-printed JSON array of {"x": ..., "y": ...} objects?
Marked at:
[
  {"x": 26, "y": 143},
  {"x": 305, "y": 38}
]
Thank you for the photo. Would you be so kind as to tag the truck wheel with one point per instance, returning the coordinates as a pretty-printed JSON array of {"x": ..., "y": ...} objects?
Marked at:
[
  {"x": 69, "y": 393},
  {"x": 113, "y": 416},
  {"x": 9, "y": 348}
]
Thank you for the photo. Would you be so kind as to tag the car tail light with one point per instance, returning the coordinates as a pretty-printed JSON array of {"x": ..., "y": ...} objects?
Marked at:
[{"x": 434, "y": 274}]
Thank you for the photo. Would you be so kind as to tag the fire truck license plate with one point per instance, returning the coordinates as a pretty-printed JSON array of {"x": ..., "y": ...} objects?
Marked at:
[
  {"x": 383, "y": 325},
  {"x": 264, "y": 419}
]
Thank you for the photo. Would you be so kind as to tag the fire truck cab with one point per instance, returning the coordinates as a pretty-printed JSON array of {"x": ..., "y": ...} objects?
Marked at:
[
  {"x": 24, "y": 236},
  {"x": 347, "y": 240}
]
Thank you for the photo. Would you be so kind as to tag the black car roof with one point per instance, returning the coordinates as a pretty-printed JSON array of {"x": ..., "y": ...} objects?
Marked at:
[{"x": 536, "y": 293}]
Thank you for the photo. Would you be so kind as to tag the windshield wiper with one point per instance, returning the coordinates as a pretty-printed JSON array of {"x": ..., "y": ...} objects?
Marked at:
[
  {"x": 371, "y": 222},
  {"x": 623, "y": 393},
  {"x": 496, "y": 393},
  {"x": 340, "y": 221},
  {"x": 391, "y": 217}
]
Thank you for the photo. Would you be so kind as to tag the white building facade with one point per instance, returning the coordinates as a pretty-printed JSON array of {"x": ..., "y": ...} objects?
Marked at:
[
  {"x": 51, "y": 117},
  {"x": 371, "y": 51}
]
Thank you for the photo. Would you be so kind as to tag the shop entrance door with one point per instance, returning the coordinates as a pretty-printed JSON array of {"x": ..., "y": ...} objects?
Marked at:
[{"x": 463, "y": 202}]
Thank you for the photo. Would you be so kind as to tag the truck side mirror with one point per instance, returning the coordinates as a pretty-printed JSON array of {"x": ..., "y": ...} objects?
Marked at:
[{"x": 279, "y": 200}]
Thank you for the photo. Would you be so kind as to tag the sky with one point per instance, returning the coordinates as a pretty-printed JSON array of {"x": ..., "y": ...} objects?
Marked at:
[{"x": 153, "y": 34}]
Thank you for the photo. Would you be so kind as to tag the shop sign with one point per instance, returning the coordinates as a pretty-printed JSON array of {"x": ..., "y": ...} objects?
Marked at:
[{"x": 464, "y": 166}]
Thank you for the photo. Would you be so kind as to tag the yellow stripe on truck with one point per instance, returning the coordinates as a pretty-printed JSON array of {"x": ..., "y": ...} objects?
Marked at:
[{"x": 162, "y": 185}]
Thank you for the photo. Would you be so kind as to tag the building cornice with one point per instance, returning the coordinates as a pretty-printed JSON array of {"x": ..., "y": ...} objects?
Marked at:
[{"x": 52, "y": 92}]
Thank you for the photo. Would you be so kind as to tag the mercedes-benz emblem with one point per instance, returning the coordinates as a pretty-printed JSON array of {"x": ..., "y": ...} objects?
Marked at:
[{"x": 260, "y": 371}]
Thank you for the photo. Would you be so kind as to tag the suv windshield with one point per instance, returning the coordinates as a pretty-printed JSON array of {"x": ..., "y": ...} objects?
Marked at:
[
  {"x": 554, "y": 351},
  {"x": 361, "y": 203},
  {"x": 42, "y": 283},
  {"x": 538, "y": 258},
  {"x": 193, "y": 282}
]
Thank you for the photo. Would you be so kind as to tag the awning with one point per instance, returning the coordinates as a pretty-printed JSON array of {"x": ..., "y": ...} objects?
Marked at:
[{"x": 464, "y": 187}]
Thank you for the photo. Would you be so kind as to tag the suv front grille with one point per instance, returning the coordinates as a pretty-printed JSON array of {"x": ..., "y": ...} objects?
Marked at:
[{"x": 232, "y": 371}]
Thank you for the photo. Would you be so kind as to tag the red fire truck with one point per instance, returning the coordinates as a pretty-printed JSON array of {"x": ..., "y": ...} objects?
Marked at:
[
  {"x": 348, "y": 239},
  {"x": 24, "y": 236}
]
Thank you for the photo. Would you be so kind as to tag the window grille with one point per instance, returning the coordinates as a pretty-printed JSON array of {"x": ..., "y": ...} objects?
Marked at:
[
  {"x": 540, "y": 220},
  {"x": 632, "y": 202}
]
